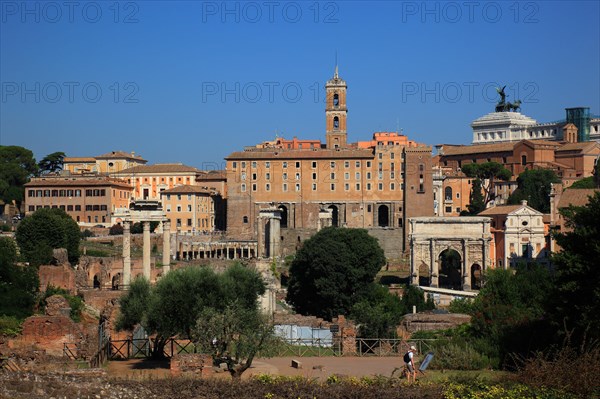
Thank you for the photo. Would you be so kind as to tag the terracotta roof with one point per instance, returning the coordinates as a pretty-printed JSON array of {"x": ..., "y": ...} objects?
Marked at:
[
  {"x": 575, "y": 196},
  {"x": 449, "y": 149},
  {"x": 158, "y": 168},
  {"x": 186, "y": 189},
  {"x": 120, "y": 154},
  {"x": 213, "y": 175},
  {"x": 500, "y": 210},
  {"x": 577, "y": 146},
  {"x": 71, "y": 182},
  {"x": 79, "y": 159},
  {"x": 270, "y": 153}
]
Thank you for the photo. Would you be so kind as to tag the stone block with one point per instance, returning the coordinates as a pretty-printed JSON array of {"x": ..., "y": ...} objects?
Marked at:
[{"x": 296, "y": 364}]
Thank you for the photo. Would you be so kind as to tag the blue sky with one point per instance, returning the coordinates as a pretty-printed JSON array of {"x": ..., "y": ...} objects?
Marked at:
[{"x": 194, "y": 81}]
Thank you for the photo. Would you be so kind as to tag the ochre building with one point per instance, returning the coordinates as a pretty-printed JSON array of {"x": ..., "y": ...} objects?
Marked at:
[{"x": 375, "y": 184}]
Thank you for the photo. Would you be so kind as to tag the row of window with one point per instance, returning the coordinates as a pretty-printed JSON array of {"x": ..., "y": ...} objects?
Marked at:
[
  {"x": 202, "y": 223},
  {"x": 69, "y": 208},
  {"x": 162, "y": 179},
  {"x": 332, "y": 176},
  {"x": 66, "y": 193},
  {"x": 189, "y": 208},
  {"x": 332, "y": 164},
  {"x": 332, "y": 186}
]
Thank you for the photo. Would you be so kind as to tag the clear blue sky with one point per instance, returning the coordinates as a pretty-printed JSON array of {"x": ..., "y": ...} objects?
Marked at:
[{"x": 194, "y": 81}]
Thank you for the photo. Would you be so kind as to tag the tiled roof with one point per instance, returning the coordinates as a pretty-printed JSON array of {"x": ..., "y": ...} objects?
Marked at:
[
  {"x": 575, "y": 196},
  {"x": 120, "y": 154},
  {"x": 213, "y": 175},
  {"x": 577, "y": 146},
  {"x": 79, "y": 159},
  {"x": 77, "y": 182},
  {"x": 449, "y": 149},
  {"x": 499, "y": 210},
  {"x": 271, "y": 153},
  {"x": 186, "y": 189},
  {"x": 159, "y": 168}
]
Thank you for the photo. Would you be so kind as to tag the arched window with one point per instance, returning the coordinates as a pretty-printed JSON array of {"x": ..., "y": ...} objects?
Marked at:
[
  {"x": 245, "y": 219},
  {"x": 336, "y": 122},
  {"x": 284, "y": 216},
  {"x": 448, "y": 193},
  {"x": 336, "y": 100},
  {"x": 334, "y": 215},
  {"x": 383, "y": 217}
]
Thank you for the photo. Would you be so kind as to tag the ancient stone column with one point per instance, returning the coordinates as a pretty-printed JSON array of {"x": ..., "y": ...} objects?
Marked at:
[
  {"x": 274, "y": 235},
  {"x": 414, "y": 272},
  {"x": 146, "y": 252},
  {"x": 260, "y": 239},
  {"x": 166, "y": 258},
  {"x": 466, "y": 283},
  {"x": 435, "y": 267},
  {"x": 126, "y": 254}
]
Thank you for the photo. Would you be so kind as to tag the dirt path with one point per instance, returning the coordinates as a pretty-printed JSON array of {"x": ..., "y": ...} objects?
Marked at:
[{"x": 311, "y": 367}]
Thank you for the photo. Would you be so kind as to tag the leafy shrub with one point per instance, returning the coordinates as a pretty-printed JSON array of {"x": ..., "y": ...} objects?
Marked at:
[
  {"x": 480, "y": 390},
  {"x": 97, "y": 252},
  {"x": 5, "y": 227},
  {"x": 116, "y": 230},
  {"x": 461, "y": 305},
  {"x": 10, "y": 326},
  {"x": 87, "y": 233},
  {"x": 455, "y": 356}
]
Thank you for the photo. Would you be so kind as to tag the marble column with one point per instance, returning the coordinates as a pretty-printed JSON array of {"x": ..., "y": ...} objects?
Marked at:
[
  {"x": 414, "y": 272},
  {"x": 260, "y": 239},
  {"x": 466, "y": 283},
  {"x": 274, "y": 235},
  {"x": 146, "y": 252},
  {"x": 126, "y": 254},
  {"x": 166, "y": 258},
  {"x": 435, "y": 267}
]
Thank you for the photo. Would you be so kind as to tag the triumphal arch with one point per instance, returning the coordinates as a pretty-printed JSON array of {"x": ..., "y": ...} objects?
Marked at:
[{"x": 453, "y": 251}]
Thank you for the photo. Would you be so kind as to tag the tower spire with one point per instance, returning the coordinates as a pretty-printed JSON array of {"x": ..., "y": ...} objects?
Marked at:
[{"x": 335, "y": 75}]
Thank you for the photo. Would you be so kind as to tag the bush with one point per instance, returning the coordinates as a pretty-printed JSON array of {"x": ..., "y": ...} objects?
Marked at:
[
  {"x": 97, "y": 252},
  {"x": 455, "y": 356},
  {"x": 5, "y": 227},
  {"x": 116, "y": 230},
  {"x": 461, "y": 305},
  {"x": 10, "y": 326},
  {"x": 86, "y": 233}
]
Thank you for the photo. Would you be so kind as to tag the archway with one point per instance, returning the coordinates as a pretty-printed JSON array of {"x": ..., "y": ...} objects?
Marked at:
[
  {"x": 116, "y": 280},
  {"x": 383, "y": 217},
  {"x": 334, "y": 215},
  {"x": 450, "y": 269},
  {"x": 96, "y": 282},
  {"x": 476, "y": 277},
  {"x": 284, "y": 217}
]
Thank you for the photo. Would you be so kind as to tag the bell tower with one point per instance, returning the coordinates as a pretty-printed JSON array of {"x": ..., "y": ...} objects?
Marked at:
[{"x": 336, "y": 112}]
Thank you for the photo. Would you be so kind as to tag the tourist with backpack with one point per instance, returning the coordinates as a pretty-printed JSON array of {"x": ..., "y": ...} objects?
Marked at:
[{"x": 410, "y": 364}]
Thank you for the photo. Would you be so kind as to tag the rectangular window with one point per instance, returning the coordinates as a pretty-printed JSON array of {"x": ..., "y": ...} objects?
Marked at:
[
  {"x": 369, "y": 186},
  {"x": 346, "y": 164},
  {"x": 368, "y": 164},
  {"x": 314, "y": 186},
  {"x": 368, "y": 175},
  {"x": 332, "y": 186},
  {"x": 380, "y": 175},
  {"x": 234, "y": 164},
  {"x": 297, "y": 187},
  {"x": 178, "y": 208},
  {"x": 77, "y": 207},
  {"x": 69, "y": 207},
  {"x": 346, "y": 176},
  {"x": 357, "y": 186},
  {"x": 243, "y": 165},
  {"x": 189, "y": 208},
  {"x": 253, "y": 176},
  {"x": 392, "y": 155},
  {"x": 380, "y": 186},
  {"x": 346, "y": 187},
  {"x": 31, "y": 208},
  {"x": 284, "y": 187},
  {"x": 31, "y": 193},
  {"x": 448, "y": 209},
  {"x": 332, "y": 164},
  {"x": 357, "y": 176},
  {"x": 392, "y": 186},
  {"x": 332, "y": 176},
  {"x": 243, "y": 175},
  {"x": 314, "y": 165},
  {"x": 268, "y": 176},
  {"x": 314, "y": 176},
  {"x": 380, "y": 155},
  {"x": 253, "y": 164},
  {"x": 357, "y": 164},
  {"x": 268, "y": 187},
  {"x": 253, "y": 186},
  {"x": 297, "y": 176},
  {"x": 284, "y": 176},
  {"x": 284, "y": 164},
  {"x": 267, "y": 164},
  {"x": 392, "y": 175},
  {"x": 298, "y": 165}
]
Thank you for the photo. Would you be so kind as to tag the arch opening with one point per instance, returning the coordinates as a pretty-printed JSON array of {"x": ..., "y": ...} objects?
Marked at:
[
  {"x": 450, "y": 269},
  {"x": 383, "y": 217}
]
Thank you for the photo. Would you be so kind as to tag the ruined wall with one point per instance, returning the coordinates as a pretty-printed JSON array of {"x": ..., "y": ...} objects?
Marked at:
[{"x": 62, "y": 276}]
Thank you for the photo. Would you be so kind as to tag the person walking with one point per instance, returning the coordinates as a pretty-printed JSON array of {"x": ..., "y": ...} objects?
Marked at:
[{"x": 409, "y": 360}]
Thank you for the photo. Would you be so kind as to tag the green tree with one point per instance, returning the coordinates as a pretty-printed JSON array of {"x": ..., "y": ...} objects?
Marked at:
[
  {"x": 476, "y": 200},
  {"x": 534, "y": 186},
  {"x": 487, "y": 173},
  {"x": 51, "y": 163},
  {"x": 332, "y": 270},
  {"x": 378, "y": 313},
  {"x": 414, "y": 296},
  {"x": 18, "y": 284},
  {"x": 233, "y": 335},
  {"x": 586, "y": 182},
  {"x": 45, "y": 229},
  {"x": 576, "y": 299},
  {"x": 173, "y": 306},
  {"x": 16, "y": 166}
]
